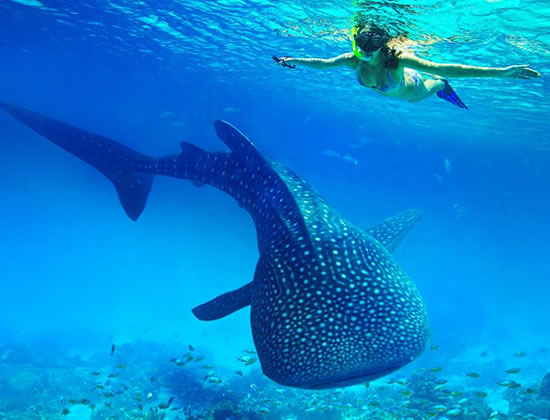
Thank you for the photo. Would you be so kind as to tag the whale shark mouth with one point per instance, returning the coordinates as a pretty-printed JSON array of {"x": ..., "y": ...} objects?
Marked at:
[{"x": 355, "y": 379}]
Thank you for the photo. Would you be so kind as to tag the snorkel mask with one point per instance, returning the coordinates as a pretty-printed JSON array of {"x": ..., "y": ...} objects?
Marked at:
[{"x": 369, "y": 41}]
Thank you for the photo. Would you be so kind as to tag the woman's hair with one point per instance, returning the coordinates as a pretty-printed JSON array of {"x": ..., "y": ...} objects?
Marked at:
[{"x": 389, "y": 53}]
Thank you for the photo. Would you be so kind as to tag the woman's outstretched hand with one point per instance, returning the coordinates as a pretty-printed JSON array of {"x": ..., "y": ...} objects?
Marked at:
[
  {"x": 282, "y": 62},
  {"x": 521, "y": 71}
]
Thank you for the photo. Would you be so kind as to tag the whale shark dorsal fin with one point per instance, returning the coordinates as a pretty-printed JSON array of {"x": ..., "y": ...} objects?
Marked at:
[
  {"x": 225, "y": 304},
  {"x": 234, "y": 139},
  {"x": 188, "y": 148},
  {"x": 392, "y": 230},
  {"x": 285, "y": 204}
]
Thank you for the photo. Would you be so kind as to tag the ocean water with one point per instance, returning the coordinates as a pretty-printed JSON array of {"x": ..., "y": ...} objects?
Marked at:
[{"x": 77, "y": 275}]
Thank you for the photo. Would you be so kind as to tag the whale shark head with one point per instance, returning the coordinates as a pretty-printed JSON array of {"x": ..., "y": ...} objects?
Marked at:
[{"x": 338, "y": 311}]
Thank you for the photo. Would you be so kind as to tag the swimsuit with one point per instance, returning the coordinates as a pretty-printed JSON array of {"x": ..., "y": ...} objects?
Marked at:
[{"x": 390, "y": 84}]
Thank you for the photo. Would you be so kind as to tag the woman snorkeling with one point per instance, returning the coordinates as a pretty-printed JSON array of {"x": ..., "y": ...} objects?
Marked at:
[{"x": 379, "y": 66}]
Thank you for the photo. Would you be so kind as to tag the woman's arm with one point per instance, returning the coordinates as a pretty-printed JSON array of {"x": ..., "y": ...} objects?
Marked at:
[
  {"x": 347, "y": 59},
  {"x": 461, "y": 70}
]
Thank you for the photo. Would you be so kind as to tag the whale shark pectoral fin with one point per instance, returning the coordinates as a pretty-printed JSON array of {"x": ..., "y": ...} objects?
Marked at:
[
  {"x": 225, "y": 304},
  {"x": 114, "y": 160},
  {"x": 392, "y": 230}
]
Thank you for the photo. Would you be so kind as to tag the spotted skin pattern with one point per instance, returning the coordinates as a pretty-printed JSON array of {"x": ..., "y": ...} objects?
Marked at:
[{"x": 329, "y": 305}]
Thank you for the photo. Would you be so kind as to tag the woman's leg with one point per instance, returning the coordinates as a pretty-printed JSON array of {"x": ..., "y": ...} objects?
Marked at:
[{"x": 426, "y": 88}]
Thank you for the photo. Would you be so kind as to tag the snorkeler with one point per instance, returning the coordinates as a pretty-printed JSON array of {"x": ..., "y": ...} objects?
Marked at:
[{"x": 379, "y": 66}]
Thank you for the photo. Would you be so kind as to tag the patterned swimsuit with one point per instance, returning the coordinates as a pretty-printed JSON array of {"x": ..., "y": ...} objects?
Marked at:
[{"x": 390, "y": 84}]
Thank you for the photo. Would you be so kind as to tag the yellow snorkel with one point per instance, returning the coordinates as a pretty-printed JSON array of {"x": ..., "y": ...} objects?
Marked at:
[{"x": 354, "y": 46}]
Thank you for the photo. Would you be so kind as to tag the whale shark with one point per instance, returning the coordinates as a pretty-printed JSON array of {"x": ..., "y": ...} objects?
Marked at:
[{"x": 329, "y": 305}]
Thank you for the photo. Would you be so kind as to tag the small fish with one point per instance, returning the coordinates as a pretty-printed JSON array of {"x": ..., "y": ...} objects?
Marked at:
[
  {"x": 121, "y": 365},
  {"x": 520, "y": 354},
  {"x": 439, "y": 387},
  {"x": 493, "y": 414},
  {"x": 72, "y": 401},
  {"x": 456, "y": 394},
  {"x": 92, "y": 407},
  {"x": 244, "y": 359},
  {"x": 251, "y": 361},
  {"x": 149, "y": 395},
  {"x": 85, "y": 401},
  {"x": 367, "y": 385},
  {"x": 214, "y": 380},
  {"x": 65, "y": 411},
  {"x": 250, "y": 351},
  {"x": 179, "y": 362},
  {"x": 402, "y": 382},
  {"x": 108, "y": 394},
  {"x": 390, "y": 381},
  {"x": 440, "y": 408},
  {"x": 441, "y": 381},
  {"x": 113, "y": 349},
  {"x": 509, "y": 384},
  {"x": 454, "y": 412},
  {"x": 374, "y": 404},
  {"x": 108, "y": 404},
  {"x": 434, "y": 347},
  {"x": 463, "y": 401},
  {"x": 483, "y": 354},
  {"x": 530, "y": 391},
  {"x": 199, "y": 358},
  {"x": 153, "y": 379},
  {"x": 96, "y": 373},
  {"x": 208, "y": 367},
  {"x": 513, "y": 371},
  {"x": 406, "y": 393},
  {"x": 100, "y": 386},
  {"x": 239, "y": 372},
  {"x": 124, "y": 386},
  {"x": 113, "y": 375},
  {"x": 448, "y": 166},
  {"x": 140, "y": 407},
  {"x": 505, "y": 383},
  {"x": 436, "y": 369},
  {"x": 473, "y": 375},
  {"x": 480, "y": 394},
  {"x": 164, "y": 406},
  {"x": 191, "y": 348}
]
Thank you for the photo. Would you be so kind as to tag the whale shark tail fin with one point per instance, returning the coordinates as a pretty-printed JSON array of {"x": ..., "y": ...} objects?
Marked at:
[{"x": 124, "y": 167}]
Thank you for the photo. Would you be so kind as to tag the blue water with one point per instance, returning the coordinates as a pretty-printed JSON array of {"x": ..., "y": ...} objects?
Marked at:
[{"x": 77, "y": 275}]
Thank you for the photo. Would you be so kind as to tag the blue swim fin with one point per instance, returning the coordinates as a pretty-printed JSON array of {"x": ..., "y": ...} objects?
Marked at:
[{"x": 450, "y": 95}]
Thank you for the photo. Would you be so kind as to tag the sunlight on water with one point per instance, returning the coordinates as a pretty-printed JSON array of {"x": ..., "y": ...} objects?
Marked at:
[{"x": 239, "y": 37}]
